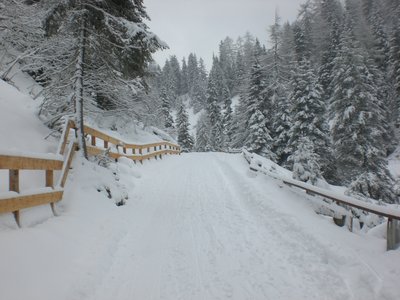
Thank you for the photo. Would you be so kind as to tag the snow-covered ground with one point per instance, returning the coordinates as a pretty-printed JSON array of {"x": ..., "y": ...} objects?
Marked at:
[{"x": 195, "y": 226}]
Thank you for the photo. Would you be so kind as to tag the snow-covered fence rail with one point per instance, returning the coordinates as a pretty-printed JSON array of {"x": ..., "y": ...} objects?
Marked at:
[
  {"x": 15, "y": 200},
  {"x": 392, "y": 215},
  {"x": 135, "y": 152}
]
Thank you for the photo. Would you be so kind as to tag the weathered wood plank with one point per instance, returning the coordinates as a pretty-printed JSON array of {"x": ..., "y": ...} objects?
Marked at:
[
  {"x": 67, "y": 164},
  {"x": 49, "y": 178},
  {"x": 19, "y": 202},
  {"x": 29, "y": 163},
  {"x": 13, "y": 180}
]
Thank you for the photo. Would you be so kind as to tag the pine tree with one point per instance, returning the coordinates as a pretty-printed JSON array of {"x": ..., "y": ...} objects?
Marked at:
[
  {"x": 308, "y": 112},
  {"x": 185, "y": 140},
  {"x": 305, "y": 162},
  {"x": 166, "y": 109},
  {"x": 214, "y": 116},
  {"x": 258, "y": 138},
  {"x": 356, "y": 130},
  {"x": 103, "y": 45},
  {"x": 199, "y": 90},
  {"x": 227, "y": 122},
  {"x": 184, "y": 78},
  {"x": 203, "y": 130}
]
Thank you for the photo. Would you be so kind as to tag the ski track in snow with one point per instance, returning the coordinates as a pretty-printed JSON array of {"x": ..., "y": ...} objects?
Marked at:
[{"x": 201, "y": 227}]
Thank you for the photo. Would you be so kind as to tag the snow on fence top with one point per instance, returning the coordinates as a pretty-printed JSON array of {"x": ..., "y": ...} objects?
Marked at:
[
  {"x": 256, "y": 164},
  {"x": 13, "y": 200}
]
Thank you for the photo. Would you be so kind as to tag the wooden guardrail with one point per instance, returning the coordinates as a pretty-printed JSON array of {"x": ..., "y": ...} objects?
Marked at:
[
  {"x": 14, "y": 200},
  {"x": 393, "y": 216}
]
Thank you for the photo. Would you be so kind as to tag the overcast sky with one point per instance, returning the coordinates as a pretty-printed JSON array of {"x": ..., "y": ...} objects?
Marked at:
[{"x": 199, "y": 25}]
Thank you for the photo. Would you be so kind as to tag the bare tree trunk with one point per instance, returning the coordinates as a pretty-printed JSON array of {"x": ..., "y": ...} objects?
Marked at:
[{"x": 79, "y": 72}]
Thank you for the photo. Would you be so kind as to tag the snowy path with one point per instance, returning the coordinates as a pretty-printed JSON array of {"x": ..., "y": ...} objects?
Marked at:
[
  {"x": 198, "y": 226},
  {"x": 203, "y": 229}
]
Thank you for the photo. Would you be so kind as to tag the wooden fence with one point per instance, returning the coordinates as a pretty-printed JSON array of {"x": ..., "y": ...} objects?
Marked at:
[
  {"x": 393, "y": 216},
  {"x": 14, "y": 200}
]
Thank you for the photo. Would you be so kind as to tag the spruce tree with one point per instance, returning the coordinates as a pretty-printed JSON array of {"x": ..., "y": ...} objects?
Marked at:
[
  {"x": 166, "y": 109},
  {"x": 103, "y": 45},
  {"x": 356, "y": 129},
  {"x": 308, "y": 113},
  {"x": 203, "y": 142},
  {"x": 185, "y": 140},
  {"x": 214, "y": 116},
  {"x": 305, "y": 162},
  {"x": 258, "y": 137}
]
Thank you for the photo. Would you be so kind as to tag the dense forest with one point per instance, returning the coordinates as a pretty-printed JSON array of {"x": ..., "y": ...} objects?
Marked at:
[
  {"x": 322, "y": 99},
  {"x": 320, "y": 96}
]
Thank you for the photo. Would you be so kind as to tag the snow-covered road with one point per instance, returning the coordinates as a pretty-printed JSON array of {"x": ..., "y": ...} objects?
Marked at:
[{"x": 202, "y": 226}]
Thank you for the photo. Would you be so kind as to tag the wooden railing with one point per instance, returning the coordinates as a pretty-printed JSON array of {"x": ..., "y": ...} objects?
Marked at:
[
  {"x": 393, "y": 216},
  {"x": 14, "y": 200},
  {"x": 119, "y": 148}
]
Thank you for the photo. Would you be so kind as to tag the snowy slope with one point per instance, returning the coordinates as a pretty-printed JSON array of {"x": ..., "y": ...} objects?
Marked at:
[{"x": 20, "y": 129}]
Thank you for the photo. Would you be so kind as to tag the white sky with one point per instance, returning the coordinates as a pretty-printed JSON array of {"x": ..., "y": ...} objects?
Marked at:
[{"x": 199, "y": 25}]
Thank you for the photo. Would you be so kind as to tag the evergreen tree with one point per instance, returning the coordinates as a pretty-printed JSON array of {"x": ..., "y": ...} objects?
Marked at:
[
  {"x": 175, "y": 75},
  {"x": 227, "y": 122},
  {"x": 214, "y": 116},
  {"x": 305, "y": 162},
  {"x": 203, "y": 142},
  {"x": 308, "y": 112},
  {"x": 199, "y": 90},
  {"x": 101, "y": 44},
  {"x": 185, "y": 140},
  {"x": 184, "y": 78},
  {"x": 258, "y": 138},
  {"x": 166, "y": 109},
  {"x": 356, "y": 130}
]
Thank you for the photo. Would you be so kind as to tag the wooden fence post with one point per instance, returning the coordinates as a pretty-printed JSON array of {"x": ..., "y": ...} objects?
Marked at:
[
  {"x": 50, "y": 183},
  {"x": 14, "y": 186},
  {"x": 93, "y": 140}
]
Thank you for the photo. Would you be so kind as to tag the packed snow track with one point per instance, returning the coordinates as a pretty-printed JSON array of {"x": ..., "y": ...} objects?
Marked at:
[{"x": 203, "y": 226}]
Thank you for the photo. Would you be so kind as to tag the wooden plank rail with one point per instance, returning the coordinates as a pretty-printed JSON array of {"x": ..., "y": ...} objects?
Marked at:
[
  {"x": 14, "y": 200},
  {"x": 153, "y": 150},
  {"x": 15, "y": 164},
  {"x": 393, "y": 216}
]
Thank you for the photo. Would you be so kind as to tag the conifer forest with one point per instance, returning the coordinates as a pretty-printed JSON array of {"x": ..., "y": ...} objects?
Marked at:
[{"x": 320, "y": 96}]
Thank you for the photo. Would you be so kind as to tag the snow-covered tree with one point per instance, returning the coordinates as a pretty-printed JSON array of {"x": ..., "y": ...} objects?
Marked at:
[
  {"x": 166, "y": 109},
  {"x": 185, "y": 140},
  {"x": 21, "y": 33},
  {"x": 102, "y": 45},
  {"x": 356, "y": 128},
  {"x": 213, "y": 110},
  {"x": 203, "y": 130},
  {"x": 307, "y": 112},
  {"x": 305, "y": 162}
]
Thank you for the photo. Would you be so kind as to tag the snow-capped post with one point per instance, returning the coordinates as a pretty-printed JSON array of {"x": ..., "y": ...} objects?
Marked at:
[{"x": 79, "y": 72}]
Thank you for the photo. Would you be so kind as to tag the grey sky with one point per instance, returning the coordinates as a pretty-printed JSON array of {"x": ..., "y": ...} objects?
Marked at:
[{"x": 199, "y": 25}]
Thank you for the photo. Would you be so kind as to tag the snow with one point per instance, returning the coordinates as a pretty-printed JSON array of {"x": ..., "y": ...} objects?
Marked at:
[
  {"x": 221, "y": 232},
  {"x": 194, "y": 226},
  {"x": 270, "y": 168},
  {"x": 20, "y": 129}
]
